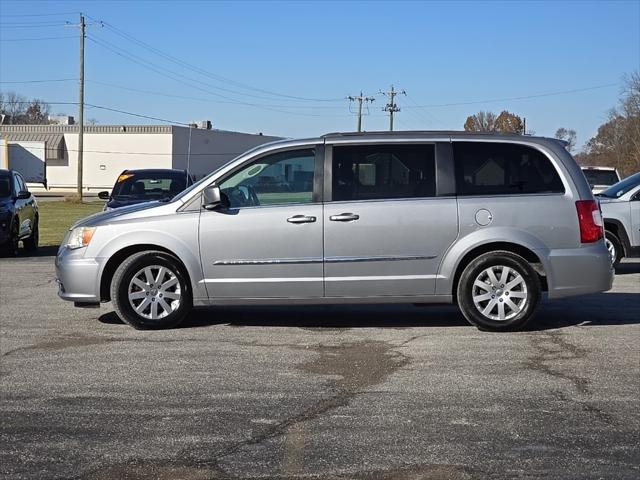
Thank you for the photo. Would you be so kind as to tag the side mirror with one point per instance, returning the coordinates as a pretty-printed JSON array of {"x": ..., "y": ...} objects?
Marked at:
[
  {"x": 213, "y": 198},
  {"x": 24, "y": 195},
  {"x": 104, "y": 195}
]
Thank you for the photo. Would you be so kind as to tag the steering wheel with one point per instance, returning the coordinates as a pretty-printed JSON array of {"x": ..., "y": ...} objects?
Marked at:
[
  {"x": 242, "y": 196},
  {"x": 255, "y": 201}
]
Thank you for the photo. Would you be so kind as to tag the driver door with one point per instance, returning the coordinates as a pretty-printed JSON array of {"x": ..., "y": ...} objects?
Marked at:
[{"x": 268, "y": 242}]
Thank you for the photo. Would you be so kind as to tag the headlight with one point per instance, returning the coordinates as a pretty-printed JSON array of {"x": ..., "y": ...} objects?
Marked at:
[{"x": 80, "y": 237}]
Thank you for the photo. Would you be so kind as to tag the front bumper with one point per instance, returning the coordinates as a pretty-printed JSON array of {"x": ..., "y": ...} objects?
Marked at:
[
  {"x": 579, "y": 271},
  {"x": 78, "y": 278}
]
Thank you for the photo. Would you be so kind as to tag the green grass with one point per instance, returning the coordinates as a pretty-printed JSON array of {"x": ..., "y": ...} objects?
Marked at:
[{"x": 57, "y": 217}]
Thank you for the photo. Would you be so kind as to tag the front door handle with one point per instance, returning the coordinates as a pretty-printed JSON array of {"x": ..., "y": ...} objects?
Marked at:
[
  {"x": 301, "y": 219},
  {"x": 344, "y": 217}
]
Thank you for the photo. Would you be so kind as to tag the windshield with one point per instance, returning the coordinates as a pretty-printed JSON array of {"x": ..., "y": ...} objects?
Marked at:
[
  {"x": 149, "y": 185},
  {"x": 622, "y": 187},
  {"x": 5, "y": 185},
  {"x": 601, "y": 177}
]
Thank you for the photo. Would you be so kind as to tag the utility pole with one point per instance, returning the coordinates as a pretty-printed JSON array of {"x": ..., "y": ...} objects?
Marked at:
[
  {"x": 360, "y": 99},
  {"x": 82, "y": 26},
  {"x": 391, "y": 107},
  {"x": 81, "y": 108}
]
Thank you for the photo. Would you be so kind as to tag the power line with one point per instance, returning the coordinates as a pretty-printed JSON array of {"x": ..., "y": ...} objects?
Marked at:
[
  {"x": 40, "y": 14},
  {"x": 525, "y": 97},
  {"x": 172, "y": 75},
  {"x": 34, "y": 38},
  {"x": 110, "y": 109},
  {"x": 204, "y": 72},
  {"x": 202, "y": 99},
  {"x": 41, "y": 81},
  {"x": 32, "y": 25},
  {"x": 419, "y": 113},
  {"x": 161, "y": 70}
]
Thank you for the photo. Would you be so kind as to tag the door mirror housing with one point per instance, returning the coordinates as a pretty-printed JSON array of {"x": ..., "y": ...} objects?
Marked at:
[
  {"x": 213, "y": 198},
  {"x": 104, "y": 195},
  {"x": 23, "y": 195}
]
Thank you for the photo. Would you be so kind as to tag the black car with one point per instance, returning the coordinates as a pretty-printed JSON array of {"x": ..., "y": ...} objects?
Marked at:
[
  {"x": 146, "y": 185},
  {"x": 18, "y": 214}
]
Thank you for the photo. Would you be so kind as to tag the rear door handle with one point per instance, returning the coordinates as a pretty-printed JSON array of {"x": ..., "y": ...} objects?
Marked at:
[
  {"x": 344, "y": 217},
  {"x": 301, "y": 219}
]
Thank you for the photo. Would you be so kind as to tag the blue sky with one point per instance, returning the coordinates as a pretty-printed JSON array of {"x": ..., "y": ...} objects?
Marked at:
[{"x": 440, "y": 53}]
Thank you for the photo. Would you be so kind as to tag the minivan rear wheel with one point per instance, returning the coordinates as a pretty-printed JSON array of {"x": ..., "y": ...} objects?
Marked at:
[
  {"x": 614, "y": 246},
  {"x": 151, "y": 290},
  {"x": 498, "y": 291}
]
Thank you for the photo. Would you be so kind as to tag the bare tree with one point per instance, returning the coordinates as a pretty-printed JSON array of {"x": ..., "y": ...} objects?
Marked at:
[
  {"x": 568, "y": 135},
  {"x": 19, "y": 109},
  {"x": 37, "y": 113},
  {"x": 481, "y": 122},
  {"x": 617, "y": 142},
  {"x": 13, "y": 105}
]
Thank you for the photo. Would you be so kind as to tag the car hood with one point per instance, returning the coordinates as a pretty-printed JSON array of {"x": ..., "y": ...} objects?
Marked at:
[{"x": 150, "y": 209}]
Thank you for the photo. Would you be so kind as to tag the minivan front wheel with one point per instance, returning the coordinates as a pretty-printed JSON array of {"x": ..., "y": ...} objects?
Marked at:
[
  {"x": 498, "y": 291},
  {"x": 150, "y": 290}
]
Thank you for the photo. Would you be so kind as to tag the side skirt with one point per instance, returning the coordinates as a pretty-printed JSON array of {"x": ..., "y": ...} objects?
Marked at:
[{"x": 203, "y": 302}]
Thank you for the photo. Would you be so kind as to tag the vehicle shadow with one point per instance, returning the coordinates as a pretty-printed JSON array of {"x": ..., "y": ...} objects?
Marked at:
[
  {"x": 46, "y": 251},
  {"x": 591, "y": 310},
  {"x": 626, "y": 268}
]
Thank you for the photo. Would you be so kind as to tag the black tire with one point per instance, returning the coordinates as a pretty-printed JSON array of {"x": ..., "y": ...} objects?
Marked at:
[
  {"x": 526, "y": 301},
  {"x": 31, "y": 243},
  {"x": 122, "y": 279},
  {"x": 11, "y": 247},
  {"x": 617, "y": 247}
]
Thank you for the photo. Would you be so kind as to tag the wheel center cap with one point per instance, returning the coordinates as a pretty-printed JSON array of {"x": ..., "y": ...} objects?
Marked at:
[
  {"x": 154, "y": 292},
  {"x": 499, "y": 292}
]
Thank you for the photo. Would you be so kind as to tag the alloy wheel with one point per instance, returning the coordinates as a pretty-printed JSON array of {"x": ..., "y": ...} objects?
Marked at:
[
  {"x": 499, "y": 293},
  {"x": 154, "y": 292},
  {"x": 612, "y": 250}
]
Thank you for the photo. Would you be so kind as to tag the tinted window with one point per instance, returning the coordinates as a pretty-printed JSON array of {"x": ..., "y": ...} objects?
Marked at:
[
  {"x": 151, "y": 185},
  {"x": 281, "y": 178},
  {"x": 600, "y": 177},
  {"x": 503, "y": 169},
  {"x": 5, "y": 185},
  {"x": 383, "y": 171}
]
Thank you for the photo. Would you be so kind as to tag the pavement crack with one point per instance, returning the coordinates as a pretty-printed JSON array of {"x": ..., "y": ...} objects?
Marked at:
[
  {"x": 351, "y": 368},
  {"x": 551, "y": 346}
]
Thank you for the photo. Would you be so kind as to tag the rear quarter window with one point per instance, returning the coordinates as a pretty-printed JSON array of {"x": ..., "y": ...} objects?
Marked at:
[{"x": 484, "y": 168}]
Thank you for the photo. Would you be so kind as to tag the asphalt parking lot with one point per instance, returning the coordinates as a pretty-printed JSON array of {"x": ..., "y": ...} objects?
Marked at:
[{"x": 366, "y": 392}]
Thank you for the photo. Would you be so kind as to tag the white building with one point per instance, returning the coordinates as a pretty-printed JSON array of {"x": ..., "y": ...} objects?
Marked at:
[{"x": 48, "y": 154}]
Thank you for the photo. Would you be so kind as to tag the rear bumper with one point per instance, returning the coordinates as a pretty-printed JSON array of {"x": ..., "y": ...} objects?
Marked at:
[
  {"x": 78, "y": 278},
  {"x": 579, "y": 271}
]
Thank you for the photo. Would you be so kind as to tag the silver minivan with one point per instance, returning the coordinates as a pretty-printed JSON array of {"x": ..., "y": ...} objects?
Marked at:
[{"x": 489, "y": 222}]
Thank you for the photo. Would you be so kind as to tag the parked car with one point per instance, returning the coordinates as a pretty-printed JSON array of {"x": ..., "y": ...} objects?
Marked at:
[
  {"x": 620, "y": 204},
  {"x": 600, "y": 178},
  {"x": 145, "y": 185},
  {"x": 486, "y": 221},
  {"x": 18, "y": 214}
]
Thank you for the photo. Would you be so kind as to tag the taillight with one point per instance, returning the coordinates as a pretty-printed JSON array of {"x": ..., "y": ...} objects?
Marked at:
[{"x": 590, "y": 219}]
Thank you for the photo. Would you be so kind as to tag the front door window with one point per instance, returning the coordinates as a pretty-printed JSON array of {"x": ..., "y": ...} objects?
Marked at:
[{"x": 279, "y": 179}]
